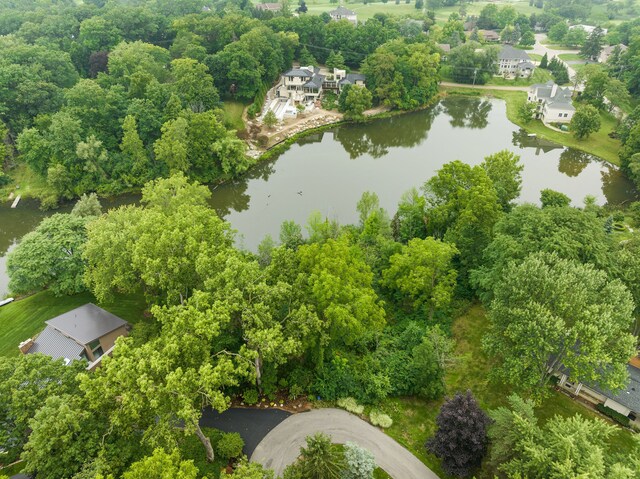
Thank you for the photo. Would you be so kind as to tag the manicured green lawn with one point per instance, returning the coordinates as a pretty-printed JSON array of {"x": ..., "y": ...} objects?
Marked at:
[
  {"x": 598, "y": 144},
  {"x": 540, "y": 75},
  {"x": 414, "y": 419},
  {"x": 22, "y": 319},
  {"x": 535, "y": 56},
  {"x": 233, "y": 114},
  {"x": 567, "y": 57}
]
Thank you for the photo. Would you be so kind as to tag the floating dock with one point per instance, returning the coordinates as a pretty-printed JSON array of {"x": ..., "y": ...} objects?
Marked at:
[{"x": 16, "y": 201}]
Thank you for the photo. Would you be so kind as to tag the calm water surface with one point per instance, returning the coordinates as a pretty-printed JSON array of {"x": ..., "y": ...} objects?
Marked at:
[{"x": 329, "y": 171}]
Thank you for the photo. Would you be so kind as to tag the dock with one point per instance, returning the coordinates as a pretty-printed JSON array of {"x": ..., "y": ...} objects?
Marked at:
[{"x": 16, "y": 201}]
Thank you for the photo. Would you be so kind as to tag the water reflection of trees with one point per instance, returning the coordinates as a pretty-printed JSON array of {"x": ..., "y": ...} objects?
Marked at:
[
  {"x": 467, "y": 112},
  {"x": 573, "y": 162},
  {"x": 521, "y": 139},
  {"x": 617, "y": 188},
  {"x": 232, "y": 195},
  {"x": 376, "y": 138}
]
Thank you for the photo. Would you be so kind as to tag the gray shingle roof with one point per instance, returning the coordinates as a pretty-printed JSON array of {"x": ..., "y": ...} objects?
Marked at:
[
  {"x": 55, "y": 344},
  {"x": 341, "y": 11},
  {"x": 86, "y": 323},
  {"x": 351, "y": 78},
  {"x": 315, "y": 82},
  {"x": 509, "y": 53},
  {"x": 630, "y": 396},
  {"x": 298, "y": 72}
]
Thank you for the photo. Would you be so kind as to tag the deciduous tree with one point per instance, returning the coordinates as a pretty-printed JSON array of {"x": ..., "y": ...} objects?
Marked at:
[{"x": 586, "y": 120}]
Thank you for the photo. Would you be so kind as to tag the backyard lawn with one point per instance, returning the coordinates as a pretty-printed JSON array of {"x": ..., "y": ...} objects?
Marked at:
[
  {"x": 567, "y": 57},
  {"x": 22, "y": 319},
  {"x": 540, "y": 75},
  {"x": 233, "y": 114}
]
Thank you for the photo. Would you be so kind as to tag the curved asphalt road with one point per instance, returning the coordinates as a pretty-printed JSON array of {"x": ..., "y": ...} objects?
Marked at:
[{"x": 281, "y": 446}]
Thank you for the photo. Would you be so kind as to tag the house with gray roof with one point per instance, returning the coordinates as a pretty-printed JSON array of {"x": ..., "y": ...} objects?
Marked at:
[
  {"x": 554, "y": 103},
  {"x": 625, "y": 402},
  {"x": 342, "y": 13},
  {"x": 301, "y": 85},
  {"x": 269, "y": 7},
  {"x": 87, "y": 332},
  {"x": 514, "y": 62},
  {"x": 607, "y": 51}
]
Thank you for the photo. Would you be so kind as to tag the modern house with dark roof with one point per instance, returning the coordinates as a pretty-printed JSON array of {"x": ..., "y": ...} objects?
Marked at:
[
  {"x": 301, "y": 84},
  {"x": 554, "y": 102},
  {"x": 342, "y": 13},
  {"x": 514, "y": 62},
  {"x": 625, "y": 402},
  {"x": 87, "y": 332}
]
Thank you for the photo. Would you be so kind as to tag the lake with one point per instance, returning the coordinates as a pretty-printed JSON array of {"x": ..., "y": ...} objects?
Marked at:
[{"x": 329, "y": 171}]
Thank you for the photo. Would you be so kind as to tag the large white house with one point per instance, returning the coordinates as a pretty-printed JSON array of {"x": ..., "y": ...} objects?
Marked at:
[
  {"x": 514, "y": 62},
  {"x": 554, "y": 102},
  {"x": 342, "y": 13},
  {"x": 305, "y": 84}
]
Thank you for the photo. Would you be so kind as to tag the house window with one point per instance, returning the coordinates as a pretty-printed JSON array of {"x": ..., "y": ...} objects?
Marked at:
[
  {"x": 560, "y": 115},
  {"x": 95, "y": 348}
]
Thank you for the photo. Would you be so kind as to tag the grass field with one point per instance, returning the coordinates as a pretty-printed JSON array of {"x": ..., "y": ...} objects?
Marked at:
[
  {"x": 567, "y": 57},
  {"x": 540, "y": 75},
  {"x": 414, "y": 419},
  {"x": 366, "y": 11},
  {"x": 25, "y": 182},
  {"x": 233, "y": 114},
  {"x": 22, "y": 319},
  {"x": 598, "y": 144}
]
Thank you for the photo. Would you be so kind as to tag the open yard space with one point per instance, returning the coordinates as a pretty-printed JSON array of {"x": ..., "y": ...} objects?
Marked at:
[
  {"x": 567, "y": 57},
  {"x": 540, "y": 75},
  {"x": 22, "y": 319},
  {"x": 233, "y": 114}
]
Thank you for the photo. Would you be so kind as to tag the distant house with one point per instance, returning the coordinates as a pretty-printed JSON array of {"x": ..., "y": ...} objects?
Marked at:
[
  {"x": 608, "y": 51},
  {"x": 554, "y": 102},
  {"x": 87, "y": 332},
  {"x": 446, "y": 49},
  {"x": 626, "y": 402},
  {"x": 301, "y": 85},
  {"x": 340, "y": 78},
  {"x": 342, "y": 13},
  {"x": 588, "y": 28},
  {"x": 514, "y": 62},
  {"x": 269, "y": 7},
  {"x": 489, "y": 35}
]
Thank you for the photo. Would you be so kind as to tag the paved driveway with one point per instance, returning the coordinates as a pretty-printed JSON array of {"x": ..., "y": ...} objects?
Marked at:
[
  {"x": 282, "y": 445},
  {"x": 252, "y": 424},
  {"x": 540, "y": 49}
]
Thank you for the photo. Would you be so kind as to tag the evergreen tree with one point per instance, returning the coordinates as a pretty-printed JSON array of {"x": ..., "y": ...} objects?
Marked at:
[
  {"x": 306, "y": 58},
  {"x": 335, "y": 60},
  {"x": 544, "y": 63}
]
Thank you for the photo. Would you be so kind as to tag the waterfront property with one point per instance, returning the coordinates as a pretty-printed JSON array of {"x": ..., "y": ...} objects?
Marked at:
[
  {"x": 625, "y": 402},
  {"x": 513, "y": 62},
  {"x": 87, "y": 332},
  {"x": 554, "y": 102},
  {"x": 342, "y": 13}
]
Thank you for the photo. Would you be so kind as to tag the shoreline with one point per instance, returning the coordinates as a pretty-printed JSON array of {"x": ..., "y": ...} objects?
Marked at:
[{"x": 281, "y": 146}]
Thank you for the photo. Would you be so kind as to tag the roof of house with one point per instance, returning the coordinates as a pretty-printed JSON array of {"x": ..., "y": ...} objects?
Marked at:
[
  {"x": 445, "y": 47},
  {"x": 630, "y": 396},
  {"x": 86, "y": 323},
  {"x": 560, "y": 99},
  {"x": 526, "y": 64},
  {"x": 489, "y": 34},
  {"x": 610, "y": 48},
  {"x": 269, "y": 6},
  {"x": 55, "y": 344},
  {"x": 299, "y": 72},
  {"x": 342, "y": 12},
  {"x": 351, "y": 78},
  {"x": 509, "y": 53},
  {"x": 315, "y": 82}
]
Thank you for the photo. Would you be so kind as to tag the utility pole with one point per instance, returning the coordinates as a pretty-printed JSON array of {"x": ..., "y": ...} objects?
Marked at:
[{"x": 475, "y": 72}]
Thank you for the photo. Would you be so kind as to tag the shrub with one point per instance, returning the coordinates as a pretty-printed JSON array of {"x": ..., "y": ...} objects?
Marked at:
[
  {"x": 295, "y": 391},
  {"x": 360, "y": 462},
  {"x": 350, "y": 405},
  {"x": 230, "y": 445},
  {"x": 380, "y": 419},
  {"x": 250, "y": 396},
  {"x": 263, "y": 140},
  {"x": 615, "y": 415}
]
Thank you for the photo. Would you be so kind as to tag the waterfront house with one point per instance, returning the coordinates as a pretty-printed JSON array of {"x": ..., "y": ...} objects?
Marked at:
[
  {"x": 301, "y": 85},
  {"x": 514, "y": 62},
  {"x": 554, "y": 102},
  {"x": 87, "y": 332},
  {"x": 342, "y": 13}
]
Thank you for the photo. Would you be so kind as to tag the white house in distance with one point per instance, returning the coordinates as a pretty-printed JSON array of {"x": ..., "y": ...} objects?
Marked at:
[
  {"x": 554, "y": 102},
  {"x": 588, "y": 28},
  {"x": 342, "y": 13},
  {"x": 269, "y": 7},
  {"x": 514, "y": 62}
]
